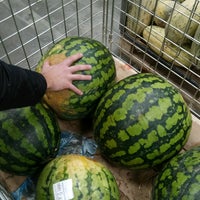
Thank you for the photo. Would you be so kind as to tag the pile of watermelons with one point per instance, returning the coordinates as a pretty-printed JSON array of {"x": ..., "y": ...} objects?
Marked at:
[{"x": 139, "y": 122}]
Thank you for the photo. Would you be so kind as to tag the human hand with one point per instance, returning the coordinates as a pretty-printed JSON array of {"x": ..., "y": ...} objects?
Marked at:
[{"x": 60, "y": 76}]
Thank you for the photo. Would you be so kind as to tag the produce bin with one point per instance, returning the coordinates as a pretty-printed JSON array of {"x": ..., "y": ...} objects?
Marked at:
[
  {"x": 158, "y": 34},
  {"x": 28, "y": 28}
]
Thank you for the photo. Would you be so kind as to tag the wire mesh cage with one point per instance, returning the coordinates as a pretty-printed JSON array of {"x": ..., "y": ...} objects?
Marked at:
[
  {"x": 141, "y": 33},
  {"x": 164, "y": 35}
]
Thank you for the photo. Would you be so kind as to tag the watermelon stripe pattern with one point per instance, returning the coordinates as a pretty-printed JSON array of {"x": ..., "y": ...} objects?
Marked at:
[
  {"x": 91, "y": 180},
  {"x": 141, "y": 122},
  {"x": 103, "y": 75},
  {"x": 29, "y": 137},
  {"x": 180, "y": 178}
]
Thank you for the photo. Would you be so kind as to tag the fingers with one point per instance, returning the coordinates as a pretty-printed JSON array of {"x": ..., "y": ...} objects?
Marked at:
[
  {"x": 73, "y": 58},
  {"x": 81, "y": 77},
  {"x": 75, "y": 89},
  {"x": 45, "y": 65},
  {"x": 65, "y": 74},
  {"x": 77, "y": 68}
]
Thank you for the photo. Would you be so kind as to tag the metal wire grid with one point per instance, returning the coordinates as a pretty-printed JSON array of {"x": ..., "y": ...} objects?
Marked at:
[
  {"x": 29, "y": 27},
  {"x": 186, "y": 79}
]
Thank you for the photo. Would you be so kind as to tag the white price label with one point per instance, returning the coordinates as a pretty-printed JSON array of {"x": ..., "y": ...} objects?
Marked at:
[{"x": 63, "y": 190}]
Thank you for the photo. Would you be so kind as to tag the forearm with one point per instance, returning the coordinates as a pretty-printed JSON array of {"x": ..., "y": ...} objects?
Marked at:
[{"x": 20, "y": 87}]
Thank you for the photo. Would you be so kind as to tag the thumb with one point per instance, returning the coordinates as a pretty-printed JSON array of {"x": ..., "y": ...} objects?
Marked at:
[{"x": 46, "y": 64}]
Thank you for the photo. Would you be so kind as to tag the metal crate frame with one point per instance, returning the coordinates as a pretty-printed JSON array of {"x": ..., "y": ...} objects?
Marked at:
[{"x": 72, "y": 21}]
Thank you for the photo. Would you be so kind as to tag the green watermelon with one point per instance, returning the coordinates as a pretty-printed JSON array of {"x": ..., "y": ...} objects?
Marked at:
[
  {"x": 77, "y": 177},
  {"x": 180, "y": 178},
  {"x": 29, "y": 137},
  {"x": 141, "y": 122},
  {"x": 66, "y": 103}
]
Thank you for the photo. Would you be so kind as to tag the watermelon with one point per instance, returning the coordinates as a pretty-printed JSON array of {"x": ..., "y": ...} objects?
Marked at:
[
  {"x": 67, "y": 104},
  {"x": 180, "y": 177},
  {"x": 76, "y": 177},
  {"x": 29, "y": 137},
  {"x": 141, "y": 122}
]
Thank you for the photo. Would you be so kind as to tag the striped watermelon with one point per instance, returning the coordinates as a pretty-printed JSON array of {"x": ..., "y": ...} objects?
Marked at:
[
  {"x": 66, "y": 103},
  {"x": 77, "y": 177},
  {"x": 29, "y": 137},
  {"x": 180, "y": 178},
  {"x": 141, "y": 122}
]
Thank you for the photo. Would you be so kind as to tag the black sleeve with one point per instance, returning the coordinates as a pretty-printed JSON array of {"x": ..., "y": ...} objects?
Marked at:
[{"x": 20, "y": 87}]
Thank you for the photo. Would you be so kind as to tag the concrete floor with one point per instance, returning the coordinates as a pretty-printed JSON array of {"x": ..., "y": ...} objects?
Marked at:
[{"x": 29, "y": 27}]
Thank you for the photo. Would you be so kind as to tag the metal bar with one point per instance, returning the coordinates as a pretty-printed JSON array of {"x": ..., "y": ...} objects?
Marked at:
[
  {"x": 77, "y": 17},
  {"x": 6, "y": 52},
  {"x": 64, "y": 18},
  {"x": 105, "y": 21},
  {"x": 91, "y": 18},
  {"x": 35, "y": 28},
  {"x": 110, "y": 37},
  {"x": 49, "y": 20},
  {"x": 18, "y": 33}
]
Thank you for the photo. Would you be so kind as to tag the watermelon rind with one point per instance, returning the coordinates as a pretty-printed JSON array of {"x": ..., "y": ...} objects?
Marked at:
[
  {"x": 141, "y": 122},
  {"x": 90, "y": 179},
  {"x": 180, "y": 177},
  {"x": 29, "y": 138},
  {"x": 67, "y": 104}
]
